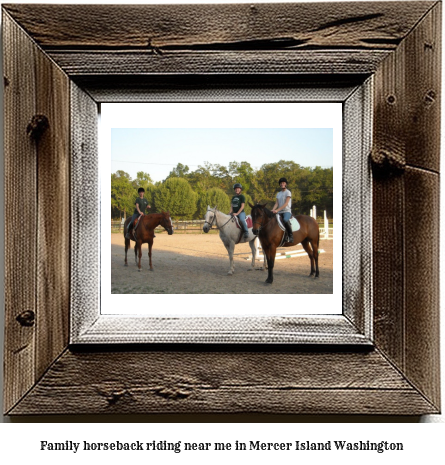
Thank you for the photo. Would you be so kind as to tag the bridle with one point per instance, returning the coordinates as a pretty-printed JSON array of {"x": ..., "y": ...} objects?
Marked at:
[
  {"x": 261, "y": 225},
  {"x": 213, "y": 219},
  {"x": 164, "y": 219}
]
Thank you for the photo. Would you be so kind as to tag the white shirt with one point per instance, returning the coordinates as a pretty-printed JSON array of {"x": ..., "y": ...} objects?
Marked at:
[{"x": 281, "y": 199}]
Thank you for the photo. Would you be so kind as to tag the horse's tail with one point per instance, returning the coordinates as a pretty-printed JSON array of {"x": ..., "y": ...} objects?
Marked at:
[{"x": 318, "y": 238}]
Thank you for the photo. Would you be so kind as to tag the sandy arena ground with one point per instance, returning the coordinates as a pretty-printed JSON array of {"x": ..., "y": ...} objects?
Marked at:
[{"x": 198, "y": 264}]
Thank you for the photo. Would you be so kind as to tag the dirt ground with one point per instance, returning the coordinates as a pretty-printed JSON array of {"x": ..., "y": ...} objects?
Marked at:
[{"x": 198, "y": 264}]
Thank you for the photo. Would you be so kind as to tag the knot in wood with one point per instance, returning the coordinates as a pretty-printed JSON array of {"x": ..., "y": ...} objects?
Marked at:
[
  {"x": 37, "y": 126},
  {"x": 385, "y": 162},
  {"x": 172, "y": 393},
  {"x": 26, "y": 318}
]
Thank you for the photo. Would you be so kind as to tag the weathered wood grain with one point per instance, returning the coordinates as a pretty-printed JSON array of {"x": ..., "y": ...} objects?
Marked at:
[
  {"x": 349, "y": 25},
  {"x": 406, "y": 132},
  {"x": 422, "y": 251},
  {"x": 78, "y": 63},
  {"x": 85, "y": 211},
  {"x": 222, "y": 382},
  {"x": 423, "y": 92},
  {"x": 53, "y": 207},
  {"x": 20, "y": 213}
]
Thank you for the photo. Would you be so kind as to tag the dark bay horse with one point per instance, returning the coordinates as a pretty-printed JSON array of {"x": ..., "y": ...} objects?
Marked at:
[
  {"x": 265, "y": 225},
  {"x": 145, "y": 234}
]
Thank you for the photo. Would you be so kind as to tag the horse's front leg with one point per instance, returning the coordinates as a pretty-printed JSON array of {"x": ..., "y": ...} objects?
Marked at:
[
  {"x": 136, "y": 254},
  {"x": 253, "y": 249},
  {"x": 140, "y": 255},
  {"x": 150, "y": 245},
  {"x": 230, "y": 250},
  {"x": 127, "y": 246},
  {"x": 270, "y": 255}
]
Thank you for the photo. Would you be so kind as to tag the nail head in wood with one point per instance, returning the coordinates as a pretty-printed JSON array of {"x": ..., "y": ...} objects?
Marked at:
[{"x": 430, "y": 97}]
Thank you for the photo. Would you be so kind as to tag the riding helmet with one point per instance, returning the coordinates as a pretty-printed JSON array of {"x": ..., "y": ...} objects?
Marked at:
[
  {"x": 141, "y": 189},
  {"x": 237, "y": 185},
  {"x": 282, "y": 180}
]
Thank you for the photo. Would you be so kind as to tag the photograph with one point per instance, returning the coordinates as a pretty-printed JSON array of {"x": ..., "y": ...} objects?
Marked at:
[{"x": 213, "y": 205}]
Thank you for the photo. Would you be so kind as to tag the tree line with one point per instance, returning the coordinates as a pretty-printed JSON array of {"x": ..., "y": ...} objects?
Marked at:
[{"x": 186, "y": 194}]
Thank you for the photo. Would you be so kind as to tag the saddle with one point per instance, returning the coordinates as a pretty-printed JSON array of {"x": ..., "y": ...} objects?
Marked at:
[
  {"x": 249, "y": 226},
  {"x": 135, "y": 225},
  {"x": 295, "y": 227},
  {"x": 293, "y": 221},
  {"x": 248, "y": 221}
]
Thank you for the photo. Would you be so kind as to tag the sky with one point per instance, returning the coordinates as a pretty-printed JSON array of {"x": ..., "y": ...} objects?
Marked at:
[
  {"x": 154, "y": 137},
  {"x": 158, "y": 150}
]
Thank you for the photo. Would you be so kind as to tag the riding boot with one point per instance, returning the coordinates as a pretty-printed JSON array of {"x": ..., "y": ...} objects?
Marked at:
[
  {"x": 290, "y": 236},
  {"x": 127, "y": 236},
  {"x": 244, "y": 228}
]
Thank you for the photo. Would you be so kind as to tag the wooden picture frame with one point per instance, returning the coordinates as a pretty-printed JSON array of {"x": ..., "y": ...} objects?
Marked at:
[{"x": 57, "y": 70}]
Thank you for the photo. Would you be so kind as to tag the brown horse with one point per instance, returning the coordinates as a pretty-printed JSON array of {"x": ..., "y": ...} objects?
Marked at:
[
  {"x": 145, "y": 233},
  {"x": 265, "y": 225}
]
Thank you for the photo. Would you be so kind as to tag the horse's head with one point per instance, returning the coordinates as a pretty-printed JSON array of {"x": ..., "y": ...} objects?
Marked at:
[
  {"x": 166, "y": 222},
  {"x": 209, "y": 219},
  {"x": 259, "y": 217}
]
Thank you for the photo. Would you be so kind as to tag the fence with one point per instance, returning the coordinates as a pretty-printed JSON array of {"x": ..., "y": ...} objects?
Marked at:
[
  {"x": 195, "y": 226},
  {"x": 185, "y": 227}
]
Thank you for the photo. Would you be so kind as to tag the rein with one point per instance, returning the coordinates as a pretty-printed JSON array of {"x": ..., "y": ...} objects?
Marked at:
[{"x": 213, "y": 219}]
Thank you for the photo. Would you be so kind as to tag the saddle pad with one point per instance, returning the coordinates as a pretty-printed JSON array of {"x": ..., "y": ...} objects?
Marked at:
[
  {"x": 248, "y": 221},
  {"x": 295, "y": 224},
  {"x": 293, "y": 221}
]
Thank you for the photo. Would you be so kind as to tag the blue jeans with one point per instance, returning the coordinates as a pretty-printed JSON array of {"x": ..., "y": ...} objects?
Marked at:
[
  {"x": 135, "y": 215},
  {"x": 242, "y": 221},
  {"x": 285, "y": 216}
]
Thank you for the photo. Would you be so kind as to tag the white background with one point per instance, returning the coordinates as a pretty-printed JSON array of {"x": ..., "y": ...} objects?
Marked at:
[{"x": 20, "y": 442}]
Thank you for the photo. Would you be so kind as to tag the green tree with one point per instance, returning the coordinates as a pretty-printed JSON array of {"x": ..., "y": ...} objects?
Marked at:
[
  {"x": 122, "y": 193},
  {"x": 243, "y": 173},
  {"x": 176, "y": 196},
  {"x": 142, "y": 180},
  {"x": 202, "y": 179},
  {"x": 180, "y": 171},
  {"x": 213, "y": 197}
]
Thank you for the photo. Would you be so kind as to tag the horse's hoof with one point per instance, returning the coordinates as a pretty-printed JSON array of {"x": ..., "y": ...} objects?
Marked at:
[
  {"x": 269, "y": 281},
  {"x": 125, "y": 264},
  {"x": 139, "y": 269},
  {"x": 151, "y": 269},
  {"x": 230, "y": 273}
]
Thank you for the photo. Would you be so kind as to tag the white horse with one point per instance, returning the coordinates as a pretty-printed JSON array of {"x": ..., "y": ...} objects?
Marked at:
[{"x": 229, "y": 234}]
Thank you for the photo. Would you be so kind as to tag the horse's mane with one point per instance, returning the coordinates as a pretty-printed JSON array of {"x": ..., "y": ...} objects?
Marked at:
[{"x": 266, "y": 211}]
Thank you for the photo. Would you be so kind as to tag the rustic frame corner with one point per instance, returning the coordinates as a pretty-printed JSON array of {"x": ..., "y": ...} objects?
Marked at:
[{"x": 51, "y": 68}]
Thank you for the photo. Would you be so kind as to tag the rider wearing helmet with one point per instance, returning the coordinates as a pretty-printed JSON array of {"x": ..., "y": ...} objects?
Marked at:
[
  {"x": 283, "y": 207},
  {"x": 140, "y": 205},
  {"x": 237, "y": 208}
]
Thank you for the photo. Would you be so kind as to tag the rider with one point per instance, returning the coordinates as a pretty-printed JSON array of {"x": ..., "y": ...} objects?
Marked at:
[
  {"x": 141, "y": 204},
  {"x": 237, "y": 208},
  {"x": 283, "y": 207}
]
